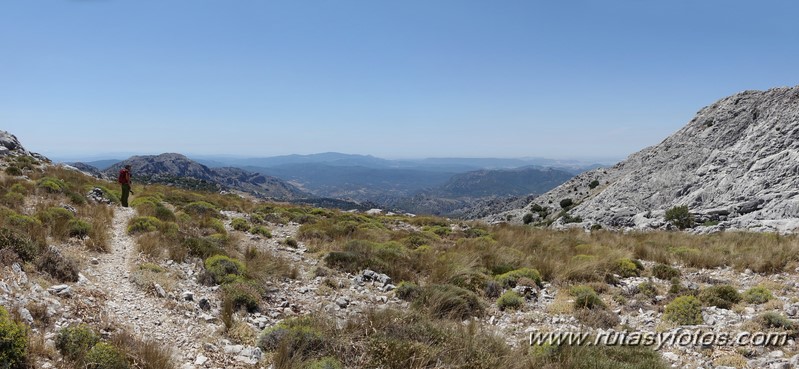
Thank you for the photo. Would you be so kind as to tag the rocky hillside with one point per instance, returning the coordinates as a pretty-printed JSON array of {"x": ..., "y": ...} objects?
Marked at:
[
  {"x": 184, "y": 172},
  {"x": 10, "y": 146},
  {"x": 735, "y": 166}
]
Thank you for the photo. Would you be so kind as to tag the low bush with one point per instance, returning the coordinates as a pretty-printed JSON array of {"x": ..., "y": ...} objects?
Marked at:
[
  {"x": 51, "y": 185},
  {"x": 297, "y": 335},
  {"x": 20, "y": 244},
  {"x": 260, "y": 231},
  {"x": 448, "y": 301},
  {"x": 201, "y": 208},
  {"x": 510, "y": 300},
  {"x": 57, "y": 266},
  {"x": 626, "y": 267},
  {"x": 79, "y": 228},
  {"x": 722, "y": 296},
  {"x": 290, "y": 242},
  {"x": 240, "y": 224},
  {"x": 242, "y": 295},
  {"x": 566, "y": 203},
  {"x": 665, "y": 272},
  {"x": 586, "y": 298},
  {"x": 144, "y": 224},
  {"x": 773, "y": 319},
  {"x": 757, "y": 295},
  {"x": 13, "y": 342},
  {"x": 528, "y": 218},
  {"x": 510, "y": 279},
  {"x": 648, "y": 289},
  {"x": 224, "y": 269},
  {"x": 75, "y": 341},
  {"x": 597, "y": 318},
  {"x": 684, "y": 310},
  {"x": 105, "y": 356},
  {"x": 407, "y": 291},
  {"x": 326, "y": 362}
]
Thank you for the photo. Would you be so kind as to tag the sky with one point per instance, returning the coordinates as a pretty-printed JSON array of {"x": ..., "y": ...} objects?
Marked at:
[{"x": 570, "y": 79}]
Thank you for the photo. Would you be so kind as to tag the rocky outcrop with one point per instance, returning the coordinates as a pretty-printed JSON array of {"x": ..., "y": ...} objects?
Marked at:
[
  {"x": 736, "y": 164},
  {"x": 179, "y": 170},
  {"x": 10, "y": 146}
]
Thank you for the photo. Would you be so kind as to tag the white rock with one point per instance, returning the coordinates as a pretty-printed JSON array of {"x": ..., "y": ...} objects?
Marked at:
[{"x": 201, "y": 360}]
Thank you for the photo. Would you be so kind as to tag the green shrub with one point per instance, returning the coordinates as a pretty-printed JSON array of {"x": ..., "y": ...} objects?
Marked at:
[
  {"x": 105, "y": 356},
  {"x": 56, "y": 217},
  {"x": 213, "y": 224},
  {"x": 757, "y": 295},
  {"x": 155, "y": 268},
  {"x": 528, "y": 218},
  {"x": 13, "y": 342},
  {"x": 665, "y": 272},
  {"x": 684, "y": 310},
  {"x": 51, "y": 185},
  {"x": 566, "y": 203},
  {"x": 240, "y": 224},
  {"x": 510, "y": 300},
  {"x": 723, "y": 296},
  {"x": 75, "y": 341},
  {"x": 297, "y": 335},
  {"x": 680, "y": 217},
  {"x": 224, "y": 269},
  {"x": 648, "y": 289},
  {"x": 509, "y": 279},
  {"x": 597, "y": 318},
  {"x": 407, "y": 291},
  {"x": 242, "y": 295},
  {"x": 290, "y": 242},
  {"x": 261, "y": 231},
  {"x": 773, "y": 319},
  {"x": 201, "y": 208},
  {"x": 13, "y": 171},
  {"x": 585, "y": 298},
  {"x": 57, "y": 266},
  {"x": 627, "y": 268},
  {"x": 20, "y": 244},
  {"x": 448, "y": 301},
  {"x": 202, "y": 247},
  {"x": 593, "y": 184},
  {"x": 164, "y": 213},
  {"x": 326, "y": 362},
  {"x": 79, "y": 228},
  {"x": 143, "y": 224},
  {"x": 24, "y": 222}
]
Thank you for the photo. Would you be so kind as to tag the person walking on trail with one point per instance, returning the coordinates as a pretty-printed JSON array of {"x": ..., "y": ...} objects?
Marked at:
[{"x": 124, "y": 180}]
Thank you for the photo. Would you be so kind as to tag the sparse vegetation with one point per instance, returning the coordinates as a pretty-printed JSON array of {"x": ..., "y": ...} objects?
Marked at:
[{"x": 510, "y": 300}]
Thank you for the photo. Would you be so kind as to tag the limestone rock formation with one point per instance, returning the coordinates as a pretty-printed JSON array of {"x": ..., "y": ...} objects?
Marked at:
[{"x": 736, "y": 164}]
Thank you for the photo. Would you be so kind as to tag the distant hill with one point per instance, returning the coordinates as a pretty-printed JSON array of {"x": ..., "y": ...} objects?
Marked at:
[
  {"x": 102, "y": 164},
  {"x": 479, "y": 193},
  {"x": 176, "y": 169},
  {"x": 356, "y": 182},
  {"x": 503, "y": 182}
]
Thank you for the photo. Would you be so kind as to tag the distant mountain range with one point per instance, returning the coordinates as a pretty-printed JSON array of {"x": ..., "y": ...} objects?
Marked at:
[
  {"x": 179, "y": 170},
  {"x": 443, "y": 186}
]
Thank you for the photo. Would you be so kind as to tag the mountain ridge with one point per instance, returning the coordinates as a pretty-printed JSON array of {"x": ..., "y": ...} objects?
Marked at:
[{"x": 735, "y": 165}]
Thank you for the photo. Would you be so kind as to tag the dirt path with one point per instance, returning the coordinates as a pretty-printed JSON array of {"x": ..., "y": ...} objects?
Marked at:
[{"x": 146, "y": 315}]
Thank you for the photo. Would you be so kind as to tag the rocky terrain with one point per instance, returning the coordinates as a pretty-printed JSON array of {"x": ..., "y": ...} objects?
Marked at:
[
  {"x": 124, "y": 288},
  {"x": 734, "y": 166}
]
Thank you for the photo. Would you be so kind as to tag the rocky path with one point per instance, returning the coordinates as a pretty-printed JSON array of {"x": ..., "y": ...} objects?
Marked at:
[{"x": 144, "y": 314}]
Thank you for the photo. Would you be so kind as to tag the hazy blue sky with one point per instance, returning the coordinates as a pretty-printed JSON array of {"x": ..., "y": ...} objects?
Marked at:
[{"x": 397, "y": 79}]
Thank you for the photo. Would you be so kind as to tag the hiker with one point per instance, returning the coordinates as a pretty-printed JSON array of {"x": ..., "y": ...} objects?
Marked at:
[{"x": 124, "y": 180}]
